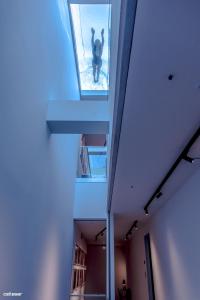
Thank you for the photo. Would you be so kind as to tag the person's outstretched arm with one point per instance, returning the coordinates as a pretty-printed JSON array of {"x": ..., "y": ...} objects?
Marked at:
[
  {"x": 102, "y": 38},
  {"x": 92, "y": 40}
]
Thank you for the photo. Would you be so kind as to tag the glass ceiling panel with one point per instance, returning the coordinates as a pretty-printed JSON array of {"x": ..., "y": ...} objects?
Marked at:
[{"x": 91, "y": 34}]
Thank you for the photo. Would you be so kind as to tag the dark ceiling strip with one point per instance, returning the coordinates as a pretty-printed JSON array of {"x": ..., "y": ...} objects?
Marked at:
[
  {"x": 183, "y": 155},
  {"x": 127, "y": 24},
  {"x": 100, "y": 233},
  {"x": 133, "y": 226}
]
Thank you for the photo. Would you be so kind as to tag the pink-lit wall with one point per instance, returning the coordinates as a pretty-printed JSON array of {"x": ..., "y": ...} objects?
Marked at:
[
  {"x": 96, "y": 270},
  {"x": 120, "y": 268},
  {"x": 175, "y": 245}
]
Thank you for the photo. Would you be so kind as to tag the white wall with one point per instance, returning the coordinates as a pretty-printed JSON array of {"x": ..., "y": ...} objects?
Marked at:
[
  {"x": 37, "y": 170},
  {"x": 90, "y": 200},
  {"x": 175, "y": 243}
]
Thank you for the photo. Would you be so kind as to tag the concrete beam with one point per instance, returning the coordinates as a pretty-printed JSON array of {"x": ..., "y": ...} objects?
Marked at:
[{"x": 78, "y": 117}]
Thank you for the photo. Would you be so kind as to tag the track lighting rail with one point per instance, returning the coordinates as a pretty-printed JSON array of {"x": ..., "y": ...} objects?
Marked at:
[
  {"x": 183, "y": 156},
  {"x": 100, "y": 233},
  {"x": 133, "y": 226}
]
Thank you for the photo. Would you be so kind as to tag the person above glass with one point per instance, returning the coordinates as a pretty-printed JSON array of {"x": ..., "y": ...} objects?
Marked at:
[{"x": 97, "y": 51}]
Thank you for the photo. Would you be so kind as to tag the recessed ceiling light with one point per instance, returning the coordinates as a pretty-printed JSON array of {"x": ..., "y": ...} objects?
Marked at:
[{"x": 170, "y": 76}]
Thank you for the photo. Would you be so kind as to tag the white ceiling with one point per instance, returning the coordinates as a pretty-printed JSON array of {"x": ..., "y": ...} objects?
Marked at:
[{"x": 160, "y": 116}]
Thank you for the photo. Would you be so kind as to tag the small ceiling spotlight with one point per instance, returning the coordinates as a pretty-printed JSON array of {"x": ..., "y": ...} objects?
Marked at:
[
  {"x": 159, "y": 195},
  {"x": 189, "y": 159},
  {"x": 131, "y": 186},
  {"x": 146, "y": 211},
  {"x": 170, "y": 76}
]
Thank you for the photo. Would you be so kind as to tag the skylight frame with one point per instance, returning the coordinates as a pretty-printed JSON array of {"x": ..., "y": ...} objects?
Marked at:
[
  {"x": 87, "y": 94},
  {"x": 88, "y": 1}
]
